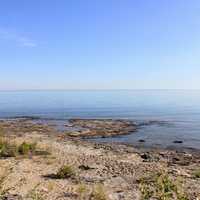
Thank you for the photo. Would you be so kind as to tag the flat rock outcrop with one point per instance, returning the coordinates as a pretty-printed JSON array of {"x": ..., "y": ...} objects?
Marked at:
[{"x": 100, "y": 127}]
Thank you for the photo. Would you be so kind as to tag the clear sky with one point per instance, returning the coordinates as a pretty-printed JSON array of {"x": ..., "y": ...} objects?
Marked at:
[{"x": 99, "y": 44}]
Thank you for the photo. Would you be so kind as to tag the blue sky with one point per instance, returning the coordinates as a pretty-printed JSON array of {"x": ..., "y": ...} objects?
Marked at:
[{"x": 99, "y": 44}]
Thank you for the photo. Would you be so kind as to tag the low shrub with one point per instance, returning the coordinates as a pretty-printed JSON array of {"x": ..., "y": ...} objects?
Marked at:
[
  {"x": 160, "y": 186},
  {"x": 27, "y": 148},
  {"x": 65, "y": 171}
]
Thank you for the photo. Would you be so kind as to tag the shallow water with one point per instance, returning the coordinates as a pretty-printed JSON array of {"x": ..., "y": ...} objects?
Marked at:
[{"x": 179, "y": 109}]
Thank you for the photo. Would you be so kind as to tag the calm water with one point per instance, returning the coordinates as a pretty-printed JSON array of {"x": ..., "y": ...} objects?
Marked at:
[{"x": 180, "y": 110}]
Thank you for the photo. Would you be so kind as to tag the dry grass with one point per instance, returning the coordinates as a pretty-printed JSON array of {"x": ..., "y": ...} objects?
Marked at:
[
  {"x": 7, "y": 149},
  {"x": 11, "y": 149},
  {"x": 65, "y": 171},
  {"x": 98, "y": 193},
  {"x": 34, "y": 194}
]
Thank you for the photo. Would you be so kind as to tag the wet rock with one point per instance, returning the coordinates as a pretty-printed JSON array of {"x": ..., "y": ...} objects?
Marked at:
[
  {"x": 85, "y": 167},
  {"x": 145, "y": 156},
  {"x": 154, "y": 122},
  {"x": 177, "y": 141},
  {"x": 101, "y": 127},
  {"x": 150, "y": 157},
  {"x": 141, "y": 141},
  {"x": 182, "y": 159}
]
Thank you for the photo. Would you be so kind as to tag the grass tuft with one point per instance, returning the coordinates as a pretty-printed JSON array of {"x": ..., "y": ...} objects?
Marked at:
[
  {"x": 82, "y": 191},
  {"x": 34, "y": 194},
  {"x": 160, "y": 186},
  {"x": 65, "y": 171},
  {"x": 11, "y": 149},
  {"x": 27, "y": 148},
  {"x": 7, "y": 149},
  {"x": 98, "y": 193}
]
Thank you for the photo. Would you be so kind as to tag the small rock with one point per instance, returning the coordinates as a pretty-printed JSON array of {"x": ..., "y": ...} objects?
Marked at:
[
  {"x": 177, "y": 142},
  {"x": 141, "y": 141},
  {"x": 85, "y": 167},
  {"x": 145, "y": 156}
]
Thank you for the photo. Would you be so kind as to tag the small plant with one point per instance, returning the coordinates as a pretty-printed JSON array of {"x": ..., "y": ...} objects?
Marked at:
[
  {"x": 10, "y": 149},
  {"x": 27, "y": 148},
  {"x": 65, "y": 172},
  {"x": 197, "y": 173},
  {"x": 146, "y": 191},
  {"x": 98, "y": 193},
  {"x": 82, "y": 191},
  {"x": 165, "y": 187},
  {"x": 7, "y": 149},
  {"x": 34, "y": 194},
  {"x": 160, "y": 186}
]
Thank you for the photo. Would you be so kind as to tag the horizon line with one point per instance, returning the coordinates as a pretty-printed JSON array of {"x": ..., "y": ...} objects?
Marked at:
[{"x": 136, "y": 89}]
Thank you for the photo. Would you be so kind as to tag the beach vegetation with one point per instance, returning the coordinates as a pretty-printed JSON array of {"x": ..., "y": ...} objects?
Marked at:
[
  {"x": 27, "y": 148},
  {"x": 12, "y": 149},
  {"x": 66, "y": 171},
  {"x": 34, "y": 194},
  {"x": 82, "y": 191},
  {"x": 7, "y": 149},
  {"x": 160, "y": 186},
  {"x": 98, "y": 193}
]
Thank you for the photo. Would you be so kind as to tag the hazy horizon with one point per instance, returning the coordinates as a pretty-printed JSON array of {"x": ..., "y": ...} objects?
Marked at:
[
  {"x": 99, "y": 45},
  {"x": 107, "y": 89}
]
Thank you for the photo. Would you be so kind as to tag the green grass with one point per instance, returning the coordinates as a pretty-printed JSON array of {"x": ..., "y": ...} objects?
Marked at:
[
  {"x": 27, "y": 148},
  {"x": 161, "y": 187}
]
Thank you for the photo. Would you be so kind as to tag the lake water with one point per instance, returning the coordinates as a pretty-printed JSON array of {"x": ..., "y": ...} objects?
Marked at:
[{"x": 179, "y": 111}]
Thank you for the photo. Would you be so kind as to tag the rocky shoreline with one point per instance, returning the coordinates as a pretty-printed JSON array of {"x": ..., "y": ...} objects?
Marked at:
[
  {"x": 100, "y": 127},
  {"x": 95, "y": 171}
]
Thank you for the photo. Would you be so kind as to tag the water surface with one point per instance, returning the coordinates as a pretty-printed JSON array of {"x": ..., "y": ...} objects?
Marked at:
[{"x": 179, "y": 109}]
